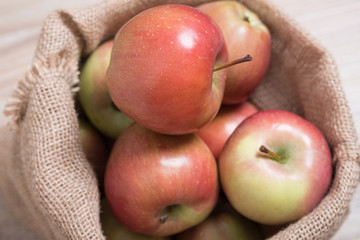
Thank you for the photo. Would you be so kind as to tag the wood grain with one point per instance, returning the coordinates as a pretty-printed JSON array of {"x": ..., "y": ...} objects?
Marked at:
[{"x": 335, "y": 23}]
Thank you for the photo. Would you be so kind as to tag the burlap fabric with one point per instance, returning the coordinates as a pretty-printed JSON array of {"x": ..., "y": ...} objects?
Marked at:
[{"x": 45, "y": 175}]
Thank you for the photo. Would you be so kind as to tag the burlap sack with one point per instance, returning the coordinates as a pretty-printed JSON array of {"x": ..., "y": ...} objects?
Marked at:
[{"x": 45, "y": 175}]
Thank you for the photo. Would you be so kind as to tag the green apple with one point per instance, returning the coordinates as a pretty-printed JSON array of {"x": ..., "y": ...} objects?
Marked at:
[
  {"x": 94, "y": 95},
  {"x": 276, "y": 167},
  {"x": 222, "y": 225}
]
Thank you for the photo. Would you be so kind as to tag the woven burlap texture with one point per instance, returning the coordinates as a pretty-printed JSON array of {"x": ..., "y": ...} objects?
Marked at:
[{"x": 45, "y": 174}]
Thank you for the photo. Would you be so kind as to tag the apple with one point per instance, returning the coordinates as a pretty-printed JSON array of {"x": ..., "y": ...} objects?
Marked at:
[
  {"x": 216, "y": 132},
  {"x": 161, "y": 71},
  {"x": 244, "y": 33},
  {"x": 159, "y": 184},
  {"x": 114, "y": 230},
  {"x": 94, "y": 95},
  {"x": 222, "y": 225},
  {"x": 276, "y": 167},
  {"x": 95, "y": 148}
]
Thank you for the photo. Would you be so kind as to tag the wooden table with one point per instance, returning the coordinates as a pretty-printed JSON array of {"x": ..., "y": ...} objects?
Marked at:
[{"x": 336, "y": 23}]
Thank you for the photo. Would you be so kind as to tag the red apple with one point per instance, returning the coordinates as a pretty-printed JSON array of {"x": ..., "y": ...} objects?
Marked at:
[
  {"x": 94, "y": 95},
  {"x": 222, "y": 225},
  {"x": 114, "y": 230},
  {"x": 160, "y": 184},
  {"x": 276, "y": 167},
  {"x": 244, "y": 33},
  {"x": 161, "y": 69},
  {"x": 216, "y": 132},
  {"x": 95, "y": 148}
]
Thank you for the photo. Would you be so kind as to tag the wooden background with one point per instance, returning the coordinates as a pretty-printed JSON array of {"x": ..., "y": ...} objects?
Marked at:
[{"x": 336, "y": 23}]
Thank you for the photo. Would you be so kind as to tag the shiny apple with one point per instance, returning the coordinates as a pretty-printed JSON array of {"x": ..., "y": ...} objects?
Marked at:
[
  {"x": 276, "y": 167},
  {"x": 161, "y": 71},
  {"x": 244, "y": 33},
  {"x": 160, "y": 184}
]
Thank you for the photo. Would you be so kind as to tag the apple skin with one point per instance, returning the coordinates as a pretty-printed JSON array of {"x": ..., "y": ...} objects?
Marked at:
[
  {"x": 244, "y": 33},
  {"x": 222, "y": 225},
  {"x": 161, "y": 69},
  {"x": 149, "y": 173},
  {"x": 95, "y": 148},
  {"x": 269, "y": 191},
  {"x": 94, "y": 95},
  {"x": 216, "y": 132},
  {"x": 113, "y": 230}
]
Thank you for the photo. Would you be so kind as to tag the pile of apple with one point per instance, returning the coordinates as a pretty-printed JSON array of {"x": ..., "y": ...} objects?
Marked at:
[{"x": 191, "y": 157}]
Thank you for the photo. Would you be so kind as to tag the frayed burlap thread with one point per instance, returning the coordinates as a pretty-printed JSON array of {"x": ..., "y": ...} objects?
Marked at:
[{"x": 45, "y": 175}]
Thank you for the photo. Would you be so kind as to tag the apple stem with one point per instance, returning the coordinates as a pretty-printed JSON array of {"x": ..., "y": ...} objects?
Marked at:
[
  {"x": 247, "y": 58},
  {"x": 263, "y": 149},
  {"x": 165, "y": 217}
]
